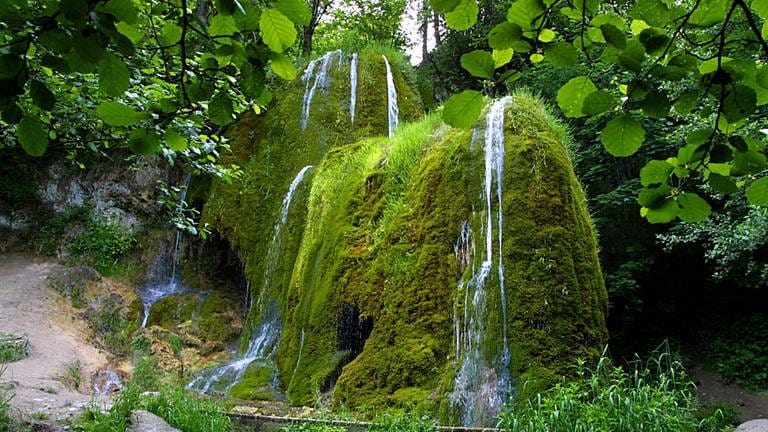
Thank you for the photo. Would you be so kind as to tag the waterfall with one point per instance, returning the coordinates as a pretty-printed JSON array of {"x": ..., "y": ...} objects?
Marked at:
[
  {"x": 483, "y": 383},
  {"x": 352, "y": 87},
  {"x": 165, "y": 279},
  {"x": 316, "y": 76},
  {"x": 392, "y": 109},
  {"x": 264, "y": 339}
]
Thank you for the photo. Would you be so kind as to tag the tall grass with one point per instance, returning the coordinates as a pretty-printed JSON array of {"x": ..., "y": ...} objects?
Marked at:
[
  {"x": 654, "y": 396},
  {"x": 180, "y": 409}
]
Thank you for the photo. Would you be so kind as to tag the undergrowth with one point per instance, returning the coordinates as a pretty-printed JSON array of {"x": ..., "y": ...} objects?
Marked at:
[
  {"x": 655, "y": 396},
  {"x": 739, "y": 353}
]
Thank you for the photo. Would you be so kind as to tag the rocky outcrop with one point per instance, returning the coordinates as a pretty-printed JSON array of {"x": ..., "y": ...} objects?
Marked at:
[{"x": 145, "y": 421}]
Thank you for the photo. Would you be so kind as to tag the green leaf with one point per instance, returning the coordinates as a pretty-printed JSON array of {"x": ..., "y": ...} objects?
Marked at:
[
  {"x": 654, "y": 40},
  {"x": 654, "y": 196},
  {"x": 562, "y": 54},
  {"x": 464, "y": 16},
  {"x": 686, "y": 102},
  {"x": 699, "y": 136},
  {"x": 175, "y": 140},
  {"x": 479, "y": 64},
  {"x": 144, "y": 141},
  {"x": 709, "y": 12},
  {"x": 123, "y": 10},
  {"x": 760, "y": 7},
  {"x": 41, "y": 96},
  {"x": 462, "y": 110},
  {"x": 282, "y": 65},
  {"x": 220, "y": 109},
  {"x": 526, "y": 13},
  {"x": 599, "y": 102},
  {"x": 738, "y": 143},
  {"x": 277, "y": 31},
  {"x": 633, "y": 56},
  {"x": 666, "y": 212},
  {"x": 622, "y": 136},
  {"x": 693, "y": 208},
  {"x": 444, "y": 6},
  {"x": 132, "y": 32},
  {"x": 547, "y": 35},
  {"x": 504, "y": 35},
  {"x": 722, "y": 184},
  {"x": 740, "y": 101},
  {"x": 170, "y": 34},
  {"x": 655, "y": 172},
  {"x": 656, "y": 105},
  {"x": 572, "y": 95},
  {"x": 12, "y": 114},
  {"x": 653, "y": 12},
  {"x": 117, "y": 114},
  {"x": 56, "y": 40},
  {"x": 614, "y": 36},
  {"x": 248, "y": 18},
  {"x": 502, "y": 57},
  {"x": 296, "y": 11},
  {"x": 32, "y": 137},
  {"x": 750, "y": 162},
  {"x": 114, "y": 77},
  {"x": 222, "y": 25},
  {"x": 251, "y": 80},
  {"x": 757, "y": 192}
]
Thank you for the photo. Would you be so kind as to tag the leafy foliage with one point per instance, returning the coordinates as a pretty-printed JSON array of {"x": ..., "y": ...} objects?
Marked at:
[
  {"x": 695, "y": 62},
  {"x": 151, "y": 76},
  {"x": 738, "y": 351}
]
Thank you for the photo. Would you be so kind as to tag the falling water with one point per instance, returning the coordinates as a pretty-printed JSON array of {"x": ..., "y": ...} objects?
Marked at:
[
  {"x": 166, "y": 279},
  {"x": 482, "y": 384},
  {"x": 106, "y": 382},
  {"x": 352, "y": 87},
  {"x": 392, "y": 108},
  {"x": 298, "y": 359},
  {"x": 265, "y": 337},
  {"x": 316, "y": 76}
]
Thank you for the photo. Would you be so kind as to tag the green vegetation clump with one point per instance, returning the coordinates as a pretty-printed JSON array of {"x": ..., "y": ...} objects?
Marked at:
[
  {"x": 102, "y": 243},
  {"x": 655, "y": 396},
  {"x": 13, "y": 347},
  {"x": 180, "y": 409}
]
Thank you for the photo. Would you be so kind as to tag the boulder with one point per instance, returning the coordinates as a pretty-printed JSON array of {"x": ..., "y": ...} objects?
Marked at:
[
  {"x": 145, "y": 421},
  {"x": 757, "y": 425}
]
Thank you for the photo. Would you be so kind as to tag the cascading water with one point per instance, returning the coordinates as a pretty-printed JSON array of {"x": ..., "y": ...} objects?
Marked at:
[
  {"x": 264, "y": 339},
  {"x": 392, "y": 109},
  {"x": 165, "y": 279},
  {"x": 316, "y": 76},
  {"x": 352, "y": 87},
  {"x": 483, "y": 383}
]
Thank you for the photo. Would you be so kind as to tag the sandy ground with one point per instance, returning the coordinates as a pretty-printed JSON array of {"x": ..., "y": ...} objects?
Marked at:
[{"x": 61, "y": 355}]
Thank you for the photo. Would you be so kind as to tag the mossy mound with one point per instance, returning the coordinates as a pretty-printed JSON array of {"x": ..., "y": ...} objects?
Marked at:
[
  {"x": 366, "y": 269},
  {"x": 274, "y": 147}
]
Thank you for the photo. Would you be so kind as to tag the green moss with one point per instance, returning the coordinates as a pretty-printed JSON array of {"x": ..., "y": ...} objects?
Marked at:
[
  {"x": 173, "y": 310},
  {"x": 256, "y": 383},
  {"x": 215, "y": 319}
]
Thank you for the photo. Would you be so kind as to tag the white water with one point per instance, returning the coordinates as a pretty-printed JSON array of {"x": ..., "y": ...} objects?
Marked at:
[
  {"x": 264, "y": 339},
  {"x": 482, "y": 385},
  {"x": 316, "y": 76},
  {"x": 352, "y": 87},
  {"x": 298, "y": 358},
  {"x": 106, "y": 382},
  {"x": 166, "y": 279},
  {"x": 392, "y": 109}
]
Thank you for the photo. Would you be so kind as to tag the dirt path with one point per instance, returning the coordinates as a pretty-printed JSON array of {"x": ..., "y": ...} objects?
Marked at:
[{"x": 55, "y": 380}]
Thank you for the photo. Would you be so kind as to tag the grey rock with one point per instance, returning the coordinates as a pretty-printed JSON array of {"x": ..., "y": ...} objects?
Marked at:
[
  {"x": 145, "y": 421},
  {"x": 758, "y": 425}
]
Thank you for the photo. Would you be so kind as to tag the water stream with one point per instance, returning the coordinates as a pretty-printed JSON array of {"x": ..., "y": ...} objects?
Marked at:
[
  {"x": 392, "y": 110},
  {"x": 352, "y": 87},
  {"x": 165, "y": 277},
  {"x": 265, "y": 337},
  {"x": 483, "y": 383},
  {"x": 316, "y": 77}
]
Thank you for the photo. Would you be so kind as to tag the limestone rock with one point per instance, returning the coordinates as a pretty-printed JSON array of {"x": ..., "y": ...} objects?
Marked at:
[
  {"x": 145, "y": 421},
  {"x": 758, "y": 425}
]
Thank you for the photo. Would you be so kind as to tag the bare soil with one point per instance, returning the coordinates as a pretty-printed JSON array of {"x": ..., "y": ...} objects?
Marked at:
[{"x": 54, "y": 382}]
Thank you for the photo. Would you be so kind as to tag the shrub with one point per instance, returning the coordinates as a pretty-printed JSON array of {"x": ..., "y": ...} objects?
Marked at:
[
  {"x": 656, "y": 396},
  {"x": 102, "y": 243}
]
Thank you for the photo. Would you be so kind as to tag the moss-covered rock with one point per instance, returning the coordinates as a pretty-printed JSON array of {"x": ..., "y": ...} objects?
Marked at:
[{"x": 367, "y": 269}]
